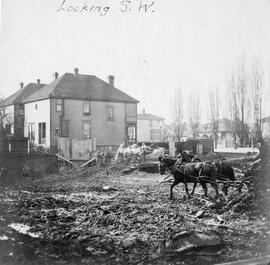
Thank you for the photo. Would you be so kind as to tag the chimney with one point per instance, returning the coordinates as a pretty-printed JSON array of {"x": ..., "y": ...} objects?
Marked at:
[
  {"x": 76, "y": 71},
  {"x": 143, "y": 111},
  {"x": 38, "y": 82},
  {"x": 21, "y": 85},
  {"x": 55, "y": 75},
  {"x": 111, "y": 80}
]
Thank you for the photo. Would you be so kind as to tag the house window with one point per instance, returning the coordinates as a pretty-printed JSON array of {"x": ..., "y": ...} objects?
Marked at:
[
  {"x": 155, "y": 134},
  {"x": 86, "y": 107},
  {"x": 41, "y": 132},
  {"x": 86, "y": 129},
  {"x": 151, "y": 123},
  {"x": 59, "y": 105},
  {"x": 109, "y": 113},
  {"x": 56, "y": 131},
  {"x": 35, "y": 106}
]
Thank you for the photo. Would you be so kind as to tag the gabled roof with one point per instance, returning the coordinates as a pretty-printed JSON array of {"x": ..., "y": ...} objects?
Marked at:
[
  {"x": 148, "y": 116},
  {"x": 19, "y": 96},
  {"x": 85, "y": 87}
]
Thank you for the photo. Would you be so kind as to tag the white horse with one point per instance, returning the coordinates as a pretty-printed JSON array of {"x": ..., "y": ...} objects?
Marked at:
[{"x": 131, "y": 151}]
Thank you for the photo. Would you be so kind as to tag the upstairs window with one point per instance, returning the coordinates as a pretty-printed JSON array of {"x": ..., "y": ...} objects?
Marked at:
[
  {"x": 109, "y": 113},
  {"x": 59, "y": 105},
  {"x": 86, "y": 107}
]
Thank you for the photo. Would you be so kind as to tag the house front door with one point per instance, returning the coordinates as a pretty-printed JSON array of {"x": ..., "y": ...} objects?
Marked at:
[{"x": 131, "y": 133}]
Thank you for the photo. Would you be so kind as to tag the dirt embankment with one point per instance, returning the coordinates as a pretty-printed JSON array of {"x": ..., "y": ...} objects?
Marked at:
[{"x": 89, "y": 217}]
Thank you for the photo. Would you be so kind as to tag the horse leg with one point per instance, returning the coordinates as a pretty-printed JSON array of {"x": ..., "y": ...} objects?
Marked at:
[
  {"x": 186, "y": 187},
  {"x": 225, "y": 189},
  {"x": 203, "y": 184},
  {"x": 194, "y": 186},
  {"x": 215, "y": 186},
  {"x": 174, "y": 184}
]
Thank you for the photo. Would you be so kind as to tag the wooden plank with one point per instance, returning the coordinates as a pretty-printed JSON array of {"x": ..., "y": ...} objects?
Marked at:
[
  {"x": 86, "y": 163},
  {"x": 94, "y": 145},
  {"x": 63, "y": 146},
  {"x": 254, "y": 261},
  {"x": 63, "y": 158},
  {"x": 81, "y": 149}
]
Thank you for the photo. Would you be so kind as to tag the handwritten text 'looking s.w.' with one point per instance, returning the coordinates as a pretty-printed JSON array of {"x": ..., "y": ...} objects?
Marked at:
[{"x": 123, "y": 7}]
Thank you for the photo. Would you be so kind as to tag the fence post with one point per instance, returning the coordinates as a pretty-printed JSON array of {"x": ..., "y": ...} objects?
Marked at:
[
  {"x": 28, "y": 147},
  {"x": 172, "y": 148}
]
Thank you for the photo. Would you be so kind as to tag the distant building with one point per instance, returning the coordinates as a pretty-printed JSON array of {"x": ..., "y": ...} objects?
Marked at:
[
  {"x": 266, "y": 127},
  {"x": 225, "y": 133},
  {"x": 150, "y": 127},
  {"x": 14, "y": 109}
]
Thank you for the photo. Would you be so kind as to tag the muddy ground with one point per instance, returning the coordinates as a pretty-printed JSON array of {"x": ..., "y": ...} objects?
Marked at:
[{"x": 101, "y": 216}]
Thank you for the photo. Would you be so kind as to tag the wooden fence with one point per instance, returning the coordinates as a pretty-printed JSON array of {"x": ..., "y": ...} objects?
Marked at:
[
  {"x": 76, "y": 149},
  {"x": 198, "y": 147}
]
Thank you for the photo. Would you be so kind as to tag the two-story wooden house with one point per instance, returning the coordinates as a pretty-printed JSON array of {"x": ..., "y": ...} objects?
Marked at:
[
  {"x": 80, "y": 106},
  {"x": 13, "y": 107},
  {"x": 150, "y": 127}
]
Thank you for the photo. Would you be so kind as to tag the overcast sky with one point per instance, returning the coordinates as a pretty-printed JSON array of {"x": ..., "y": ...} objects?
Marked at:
[{"x": 192, "y": 44}]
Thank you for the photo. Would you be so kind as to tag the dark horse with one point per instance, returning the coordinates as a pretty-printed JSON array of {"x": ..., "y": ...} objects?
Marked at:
[
  {"x": 224, "y": 173},
  {"x": 190, "y": 173},
  {"x": 187, "y": 158}
]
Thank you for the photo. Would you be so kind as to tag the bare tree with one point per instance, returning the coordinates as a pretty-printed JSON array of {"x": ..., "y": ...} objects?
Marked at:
[
  {"x": 256, "y": 98},
  {"x": 178, "y": 114},
  {"x": 238, "y": 102},
  {"x": 233, "y": 109},
  {"x": 194, "y": 115},
  {"x": 214, "y": 113},
  {"x": 241, "y": 86}
]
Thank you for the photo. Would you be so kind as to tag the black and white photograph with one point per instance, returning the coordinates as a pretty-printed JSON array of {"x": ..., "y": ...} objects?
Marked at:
[{"x": 134, "y": 132}]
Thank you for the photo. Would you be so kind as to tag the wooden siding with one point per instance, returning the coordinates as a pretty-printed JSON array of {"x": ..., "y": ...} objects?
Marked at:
[
  {"x": 63, "y": 147},
  {"x": 107, "y": 133}
]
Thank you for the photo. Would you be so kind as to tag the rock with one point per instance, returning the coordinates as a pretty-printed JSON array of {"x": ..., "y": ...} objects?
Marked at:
[
  {"x": 197, "y": 240},
  {"x": 200, "y": 213},
  {"x": 109, "y": 188}
]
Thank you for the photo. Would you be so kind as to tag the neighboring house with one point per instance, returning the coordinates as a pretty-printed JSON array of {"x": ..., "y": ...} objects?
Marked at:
[
  {"x": 150, "y": 127},
  {"x": 14, "y": 109},
  {"x": 266, "y": 127},
  {"x": 80, "y": 106},
  {"x": 225, "y": 133}
]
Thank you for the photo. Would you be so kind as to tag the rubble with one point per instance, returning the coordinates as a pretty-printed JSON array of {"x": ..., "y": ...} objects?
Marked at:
[{"x": 98, "y": 218}]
